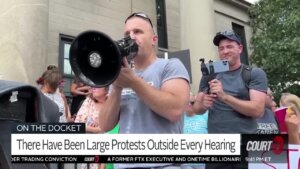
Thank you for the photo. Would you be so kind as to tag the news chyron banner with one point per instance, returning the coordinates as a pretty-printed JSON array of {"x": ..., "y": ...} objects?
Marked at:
[
  {"x": 68, "y": 143},
  {"x": 266, "y": 151},
  {"x": 44, "y": 143}
]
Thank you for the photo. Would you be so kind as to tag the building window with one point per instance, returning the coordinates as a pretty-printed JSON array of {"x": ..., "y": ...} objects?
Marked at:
[
  {"x": 161, "y": 24},
  {"x": 64, "y": 63},
  {"x": 240, "y": 30}
]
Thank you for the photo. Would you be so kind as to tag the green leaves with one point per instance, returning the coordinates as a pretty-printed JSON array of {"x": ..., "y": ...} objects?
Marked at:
[{"x": 276, "y": 43}]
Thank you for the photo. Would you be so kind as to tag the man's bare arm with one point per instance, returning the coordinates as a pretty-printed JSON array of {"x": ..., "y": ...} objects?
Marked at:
[{"x": 169, "y": 101}]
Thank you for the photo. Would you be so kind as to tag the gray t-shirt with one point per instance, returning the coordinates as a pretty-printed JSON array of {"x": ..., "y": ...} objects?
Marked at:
[
  {"x": 267, "y": 124},
  {"x": 224, "y": 119},
  {"x": 136, "y": 117},
  {"x": 57, "y": 98}
]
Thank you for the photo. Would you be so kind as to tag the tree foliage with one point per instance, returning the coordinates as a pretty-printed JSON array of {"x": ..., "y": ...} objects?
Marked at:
[{"x": 276, "y": 43}]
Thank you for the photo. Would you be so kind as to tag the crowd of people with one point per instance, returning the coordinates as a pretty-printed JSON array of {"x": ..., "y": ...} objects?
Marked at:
[{"x": 155, "y": 96}]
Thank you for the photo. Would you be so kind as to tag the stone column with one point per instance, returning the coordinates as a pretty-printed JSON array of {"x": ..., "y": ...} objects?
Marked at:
[
  {"x": 197, "y": 31},
  {"x": 23, "y": 40}
]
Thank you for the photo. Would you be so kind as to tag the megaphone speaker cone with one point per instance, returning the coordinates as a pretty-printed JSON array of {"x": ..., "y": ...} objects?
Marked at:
[{"x": 95, "y": 58}]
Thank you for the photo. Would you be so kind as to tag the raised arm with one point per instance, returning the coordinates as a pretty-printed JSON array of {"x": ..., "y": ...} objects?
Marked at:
[
  {"x": 202, "y": 103},
  {"x": 252, "y": 108},
  {"x": 169, "y": 101},
  {"x": 77, "y": 90}
]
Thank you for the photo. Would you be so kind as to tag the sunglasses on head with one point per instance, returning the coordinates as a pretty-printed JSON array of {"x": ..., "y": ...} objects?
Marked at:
[{"x": 140, "y": 15}]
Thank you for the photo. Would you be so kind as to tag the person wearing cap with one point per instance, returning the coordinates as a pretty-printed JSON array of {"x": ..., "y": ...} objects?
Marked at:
[
  {"x": 151, "y": 98},
  {"x": 233, "y": 107}
]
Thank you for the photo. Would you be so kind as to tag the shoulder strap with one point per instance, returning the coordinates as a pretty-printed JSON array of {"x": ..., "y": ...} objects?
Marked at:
[{"x": 246, "y": 75}]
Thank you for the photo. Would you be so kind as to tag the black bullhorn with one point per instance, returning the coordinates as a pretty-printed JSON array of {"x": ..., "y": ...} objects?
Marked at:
[{"x": 96, "y": 59}]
